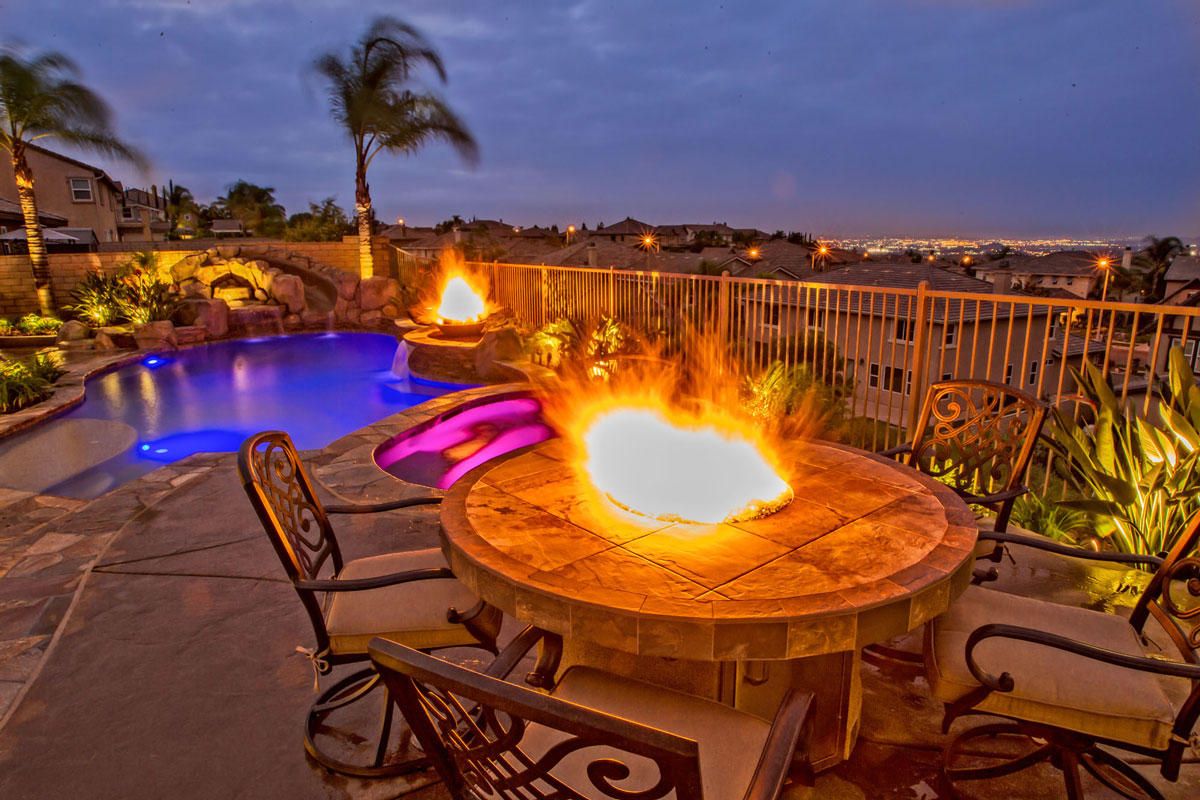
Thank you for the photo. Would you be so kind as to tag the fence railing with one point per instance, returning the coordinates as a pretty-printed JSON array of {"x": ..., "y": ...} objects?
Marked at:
[{"x": 885, "y": 345}]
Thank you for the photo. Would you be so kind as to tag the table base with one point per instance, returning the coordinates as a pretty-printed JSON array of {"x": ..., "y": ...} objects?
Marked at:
[{"x": 756, "y": 687}]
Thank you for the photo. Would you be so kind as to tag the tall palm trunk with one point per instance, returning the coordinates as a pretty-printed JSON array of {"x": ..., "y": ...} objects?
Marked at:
[
  {"x": 362, "y": 205},
  {"x": 33, "y": 230}
]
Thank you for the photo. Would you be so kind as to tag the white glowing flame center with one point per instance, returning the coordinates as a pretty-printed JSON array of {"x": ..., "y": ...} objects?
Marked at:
[
  {"x": 460, "y": 303},
  {"x": 646, "y": 464}
]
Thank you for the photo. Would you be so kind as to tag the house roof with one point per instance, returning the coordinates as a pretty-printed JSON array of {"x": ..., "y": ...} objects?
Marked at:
[
  {"x": 909, "y": 276},
  {"x": 406, "y": 232},
  {"x": 227, "y": 226},
  {"x": 97, "y": 173},
  {"x": 1062, "y": 262},
  {"x": 628, "y": 226},
  {"x": 1183, "y": 268},
  {"x": 12, "y": 210},
  {"x": 623, "y": 257}
]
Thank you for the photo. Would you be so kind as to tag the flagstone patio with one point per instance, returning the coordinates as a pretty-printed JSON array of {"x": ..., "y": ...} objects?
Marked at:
[{"x": 147, "y": 648}]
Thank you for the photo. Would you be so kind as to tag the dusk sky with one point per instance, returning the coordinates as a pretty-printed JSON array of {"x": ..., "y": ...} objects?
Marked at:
[{"x": 840, "y": 117}]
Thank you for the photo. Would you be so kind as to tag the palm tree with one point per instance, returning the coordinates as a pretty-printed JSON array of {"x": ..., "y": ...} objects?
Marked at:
[
  {"x": 368, "y": 96},
  {"x": 1155, "y": 259},
  {"x": 40, "y": 98}
]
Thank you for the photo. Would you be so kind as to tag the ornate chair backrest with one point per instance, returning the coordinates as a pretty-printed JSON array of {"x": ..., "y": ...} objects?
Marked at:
[
  {"x": 979, "y": 435},
  {"x": 489, "y": 738},
  {"x": 287, "y": 505}
]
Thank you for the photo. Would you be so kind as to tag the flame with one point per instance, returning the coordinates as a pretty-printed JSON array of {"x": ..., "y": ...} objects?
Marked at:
[
  {"x": 460, "y": 303},
  {"x": 686, "y": 469},
  {"x": 454, "y": 294},
  {"x": 666, "y": 442}
]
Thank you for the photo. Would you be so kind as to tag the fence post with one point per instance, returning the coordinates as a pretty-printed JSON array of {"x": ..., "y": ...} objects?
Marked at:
[
  {"x": 542, "y": 296},
  {"x": 612, "y": 290},
  {"x": 723, "y": 310},
  {"x": 920, "y": 355}
]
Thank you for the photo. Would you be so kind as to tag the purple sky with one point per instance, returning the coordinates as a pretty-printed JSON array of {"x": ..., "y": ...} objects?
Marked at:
[{"x": 842, "y": 117}]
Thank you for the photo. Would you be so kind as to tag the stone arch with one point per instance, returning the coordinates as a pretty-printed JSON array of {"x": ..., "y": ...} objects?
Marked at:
[{"x": 269, "y": 273}]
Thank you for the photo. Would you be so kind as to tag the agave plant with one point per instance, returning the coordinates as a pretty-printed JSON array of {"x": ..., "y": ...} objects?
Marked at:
[{"x": 1139, "y": 479}]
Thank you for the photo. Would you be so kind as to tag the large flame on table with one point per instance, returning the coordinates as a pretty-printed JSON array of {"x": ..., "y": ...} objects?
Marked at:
[{"x": 664, "y": 445}]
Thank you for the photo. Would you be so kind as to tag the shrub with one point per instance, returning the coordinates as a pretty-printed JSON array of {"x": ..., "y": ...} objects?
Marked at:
[
  {"x": 25, "y": 382},
  {"x": 36, "y": 325},
  {"x": 97, "y": 299},
  {"x": 1050, "y": 519},
  {"x": 1140, "y": 480},
  {"x": 135, "y": 293}
]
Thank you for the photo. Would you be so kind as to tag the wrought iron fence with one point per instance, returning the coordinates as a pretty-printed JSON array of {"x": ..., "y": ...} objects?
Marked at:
[{"x": 885, "y": 345}]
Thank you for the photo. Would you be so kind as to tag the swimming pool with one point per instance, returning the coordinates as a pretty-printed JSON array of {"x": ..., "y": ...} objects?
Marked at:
[{"x": 317, "y": 387}]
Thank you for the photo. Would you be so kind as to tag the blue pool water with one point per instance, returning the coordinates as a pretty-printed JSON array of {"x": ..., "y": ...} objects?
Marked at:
[{"x": 317, "y": 387}]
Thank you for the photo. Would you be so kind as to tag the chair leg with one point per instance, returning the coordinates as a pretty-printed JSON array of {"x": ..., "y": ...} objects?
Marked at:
[
  {"x": 1127, "y": 779},
  {"x": 1005, "y": 767},
  {"x": 343, "y": 693}
]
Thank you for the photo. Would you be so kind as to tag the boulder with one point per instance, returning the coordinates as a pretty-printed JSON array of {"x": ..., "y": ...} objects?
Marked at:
[
  {"x": 376, "y": 292},
  {"x": 501, "y": 344},
  {"x": 353, "y": 314},
  {"x": 288, "y": 290},
  {"x": 209, "y": 273},
  {"x": 190, "y": 334},
  {"x": 155, "y": 336},
  {"x": 232, "y": 293},
  {"x": 347, "y": 284},
  {"x": 393, "y": 310},
  {"x": 317, "y": 319},
  {"x": 194, "y": 288},
  {"x": 212, "y": 314},
  {"x": 370, "y": 319},
  {"x": 73, "y": 331},
  {"x": 104, "y": 342},
  {"x": 228, "y": 250},
  {"x": 186, "y": 267},
  {"x": 260, "y": 295},
  {"x": 119, "y": 336},
  {"x": 292, "y": 321}
]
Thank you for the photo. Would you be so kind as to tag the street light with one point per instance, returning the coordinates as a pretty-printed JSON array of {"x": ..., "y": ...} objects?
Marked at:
[
  {"x": 570, "y": 230},
  {"x": 1104, "y": 263},
  {"x": 821, "y": 251}
]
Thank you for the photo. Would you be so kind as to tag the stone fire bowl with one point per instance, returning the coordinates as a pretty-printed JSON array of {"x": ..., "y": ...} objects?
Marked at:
[{"x": 461, "y": 330}]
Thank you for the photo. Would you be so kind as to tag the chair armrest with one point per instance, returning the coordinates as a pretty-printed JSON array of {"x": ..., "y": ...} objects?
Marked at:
[
  {"x": 792, "y": 726},
  {"x": 1004, "y": 681},
  {"x": 377, "y": 582},
  {"x": 375, "y": 507},
  {"x": 1050, "y": 546},
  {"x": 999, "y": 497},
  {"x": 895, "y": 451}
]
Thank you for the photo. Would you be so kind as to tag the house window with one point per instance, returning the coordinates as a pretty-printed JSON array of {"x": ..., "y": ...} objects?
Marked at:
[
  {"x": 893, "y": 379},
  {"x": 770, "y": 314},
  {"x": 1033, "y": 368},
  {"x": 873, "y": 377},
  {"x": 951, "y": 335},
  {"x": 126, "y": 213},
  {"x": 947, "y": 376},
  {"x": 812, "y": 319},
  {"x": 1008, "y": 373},
  {"x": 904, "y": 331},
  {"x": 1054, "y": 280},
  {"x": 81, "y": 190}
]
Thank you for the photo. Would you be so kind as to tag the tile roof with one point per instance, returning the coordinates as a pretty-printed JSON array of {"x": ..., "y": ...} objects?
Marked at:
[
  {"x": 1062, "y": 262},
  {"x": 11, "y": 209},
  {"x": 1183, "y": 268},
  {"x": 907, "y": 276},
  {"x": 628, "y": 226}
]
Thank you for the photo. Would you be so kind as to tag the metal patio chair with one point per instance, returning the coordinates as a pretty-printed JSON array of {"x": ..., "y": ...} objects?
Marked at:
[
  {"x": 596, "y": 735},
  {"x": 410, "y": 597},
  {"x": 977, "y": 436},
  {"x": 1072, "y": 681}
]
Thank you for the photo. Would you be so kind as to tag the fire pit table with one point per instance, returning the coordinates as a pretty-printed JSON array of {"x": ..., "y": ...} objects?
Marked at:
[{"x": 739, "y": 613}]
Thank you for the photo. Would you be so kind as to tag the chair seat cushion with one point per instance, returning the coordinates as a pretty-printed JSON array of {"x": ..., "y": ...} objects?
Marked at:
[
  {"x": 730, "y": 742},
  {"x": 1052, "y": 687},
  {"x": 413, "y": 614}
]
